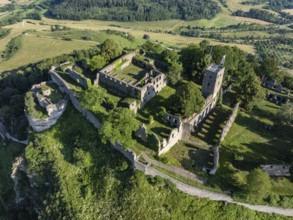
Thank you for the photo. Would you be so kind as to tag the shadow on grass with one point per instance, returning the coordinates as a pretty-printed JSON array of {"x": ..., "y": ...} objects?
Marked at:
[
  {"x": 161, "y": 131},
  {"x": 209, "y": 130}
]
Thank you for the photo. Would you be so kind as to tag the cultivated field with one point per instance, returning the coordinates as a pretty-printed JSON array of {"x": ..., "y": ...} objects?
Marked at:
[
  {"x": 251, "y": 20},
  {"x": 167, "y": 39},
  {"x": 4, "y": 2},
  {"x": 290, "y": 11},
  {"x": 235, "y": 5},
  {"x": 54, "y": 44},
  {"x": 36, "y": 48}
]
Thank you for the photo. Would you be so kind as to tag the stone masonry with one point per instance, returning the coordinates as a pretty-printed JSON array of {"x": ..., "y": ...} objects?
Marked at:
[{"x": 144, "y": 90}]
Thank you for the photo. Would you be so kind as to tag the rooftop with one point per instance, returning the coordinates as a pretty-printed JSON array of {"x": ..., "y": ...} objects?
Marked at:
[
  {"x": 215, "y": 68},
  {"x": 277, "y": 170}
]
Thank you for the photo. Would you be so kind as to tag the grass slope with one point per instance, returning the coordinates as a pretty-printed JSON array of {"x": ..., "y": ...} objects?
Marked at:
[
  {"x": 89, "y": 181},
  {"x": 36, "y": 48}
]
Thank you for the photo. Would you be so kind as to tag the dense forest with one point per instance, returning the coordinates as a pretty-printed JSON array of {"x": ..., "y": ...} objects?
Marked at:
[
  {"x": 133, "y": 10},
  {"x": 284, "y": 18}
]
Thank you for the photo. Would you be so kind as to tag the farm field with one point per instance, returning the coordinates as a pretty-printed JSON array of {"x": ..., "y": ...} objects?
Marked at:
[
  {"x": 82, "y": 29},
  {"x": 36, "y": 48},
  {"x": 168, "y": 40},
  {"x": 4, "y": 2},
  {"x": 18, "y": 29},
  {"x": 290, "y": 11},
  {"x": 251, "y": 20},
  {"x": 235, "y": 5}
]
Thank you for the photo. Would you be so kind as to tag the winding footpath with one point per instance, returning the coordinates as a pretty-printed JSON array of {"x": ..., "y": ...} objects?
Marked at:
[{"x": 201, "y": 193}]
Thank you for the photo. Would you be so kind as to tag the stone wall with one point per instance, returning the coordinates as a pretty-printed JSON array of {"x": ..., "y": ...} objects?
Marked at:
[
  {"x": 167, "y": 144},
  {"x": 119, "y": 85},
  {"x": 142, "y": 133},
  {"x": 216, "y": 160},
  {"x": 129, "y": 154},
  {"x": 111, "y": 66},
  {"x": 154, "y": 81},
  {"x": 148, "y": 91},
  {"x": 173, "y": 120},
  {"x": 229, "y": 123},
  {"x": 5, "y": 135},
  {"x": 63, "y": 86},
  {"x": 197, "y": 118},
  {"x": 77, "y": 77}
]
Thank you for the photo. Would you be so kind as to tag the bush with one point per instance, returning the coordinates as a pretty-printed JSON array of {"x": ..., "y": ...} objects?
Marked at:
[
  {"x": 151, "y": 119},
  {"x": 146, "y": 37},
  {"x": 238, "y": 157}
]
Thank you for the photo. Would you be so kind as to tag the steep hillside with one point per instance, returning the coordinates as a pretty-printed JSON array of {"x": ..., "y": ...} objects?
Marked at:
[{"x": 133, "y": 10}]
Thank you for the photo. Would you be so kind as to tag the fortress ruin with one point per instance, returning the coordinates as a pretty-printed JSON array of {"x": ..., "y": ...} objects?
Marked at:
[{"x": 133, "y": 75}]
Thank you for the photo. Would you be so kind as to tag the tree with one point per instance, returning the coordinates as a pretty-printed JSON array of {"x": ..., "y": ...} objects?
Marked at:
[
  {"x": 146, "y": 36},
  {"x": 119, "y": 126},
  {"x": 188, "y": 100},
  {"x": 270, "y": 68},
  {"x": 190, "y": 56},
  {"x": 258, "y": 185},
  {"x": 200, "y": 68},
  {"x": 175, "y": 67},
  {"x": 92, "y": 97},
  {"x": 152, "y": 47},
  {"x": 286, "y": 114},
  {"x": 248, "y": 89},
  {"x": 174, "y": 72},
  {"x": 97, "y": 62},
  {"x": 110, "y": 50}
]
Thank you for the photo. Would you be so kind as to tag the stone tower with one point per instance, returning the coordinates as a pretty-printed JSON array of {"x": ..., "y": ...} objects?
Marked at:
[{"x": 213, "y": 78}]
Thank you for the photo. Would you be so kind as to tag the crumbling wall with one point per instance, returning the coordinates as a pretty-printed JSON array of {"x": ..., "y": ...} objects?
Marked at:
[
  {"x": 229, "y": 123},
  {"x": 77, "y": 77},
  {"x": 129, "y": 154},
  {"x": 112, "y": 66},
  {"x": 197, "y": 118},
  {"x": 172, "y": 120},
  {"x": 142, "y": 133},
  {"x": 216, "y": 160},
  {"x": 119, "y": 85},
  {"x": 167, "y": 144},
  {"x": 150, "y": 90},
  {"x": 63, "y": 86}
]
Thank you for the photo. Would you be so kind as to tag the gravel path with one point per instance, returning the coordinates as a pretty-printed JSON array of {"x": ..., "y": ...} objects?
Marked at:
[{"x": 201, "y": 193}]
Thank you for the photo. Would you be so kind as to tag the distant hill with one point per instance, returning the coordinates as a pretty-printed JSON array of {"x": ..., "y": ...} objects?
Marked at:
[{"x": 133, "y": 10}]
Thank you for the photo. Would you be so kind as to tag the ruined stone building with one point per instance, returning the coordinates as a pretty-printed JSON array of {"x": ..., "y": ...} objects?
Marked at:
[
  {"x": 133, "y": 75},
  {"x": 53, "y": 103},
  {"x": 211, "y": 86}
]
